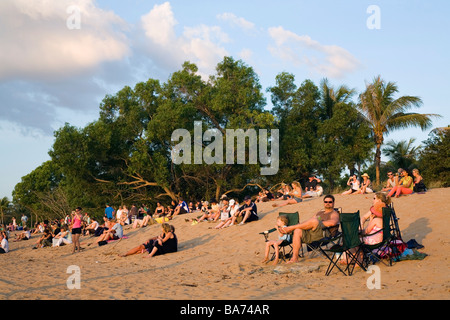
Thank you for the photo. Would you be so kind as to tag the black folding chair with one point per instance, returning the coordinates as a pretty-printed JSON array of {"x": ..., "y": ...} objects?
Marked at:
[
  {"x": 349, "y": 246},
  {"x": 331, "y": 236},
  {"x": 386, "y": 249},
  {"x": 285, "y": 246}
]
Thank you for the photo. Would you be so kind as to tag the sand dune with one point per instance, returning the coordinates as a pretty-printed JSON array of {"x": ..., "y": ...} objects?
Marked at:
[{"x": 225, "y": 264}]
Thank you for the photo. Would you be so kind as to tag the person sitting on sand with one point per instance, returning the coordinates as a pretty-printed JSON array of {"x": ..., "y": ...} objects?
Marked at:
[
  {"x": 142, "y": 219},
  {"x": 4, "y": 245},
  {"x": 391, "y": 182},
  {"x": 181, "y": 208},
  {"x": 150, "y": 244},
  {"x": 232, "y": 210},
  {"x": 405, "y": 186},
  {"x": 166, "y": 243},
  {"x": 312, "y": 187},
  {"x": 296, "y": 194},
  {"x": 366, "y": 185},
  {"x": 354, "y": 184},
  {"x": 159, "y": 211},
  {"x": 114, "y": 233},
  {"x": 284, "y": 192},
  {"x": 419, "y": 185},
  {"x": 210, "y": 214},
  {"x": 92, "y": 227},
  {"x": 282, "y": 222},
  {"x": 25, "y": 235},
  {"x": 45, "y": 240},
  {"x": 38, "y": 228},
  {"x": 63, "y": 237},
  {"x": 312, "y": 229},
  {"x": 248, "y": 211},
  {"x": 224, "y": 213}
]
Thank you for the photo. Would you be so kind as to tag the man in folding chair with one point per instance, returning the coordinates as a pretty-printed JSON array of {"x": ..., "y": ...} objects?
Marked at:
[{"x": 312, "y": 230}]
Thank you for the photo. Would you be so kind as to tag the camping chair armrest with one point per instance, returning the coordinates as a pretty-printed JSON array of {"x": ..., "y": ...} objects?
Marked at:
[{"x": 267, "y": 232}]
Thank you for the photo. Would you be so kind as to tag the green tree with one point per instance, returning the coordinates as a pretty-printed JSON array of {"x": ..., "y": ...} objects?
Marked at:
[
  {"x": 383, "y": 113},
  {"x": 343, "y": 138},
  {"x": 402, "y": 154},
  {"x": 4, "y": 206},
  {"x": 434, "y": 159}
]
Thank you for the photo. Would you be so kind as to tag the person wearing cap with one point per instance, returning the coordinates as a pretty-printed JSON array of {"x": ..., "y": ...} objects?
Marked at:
[
  {"x": 366, "y": 185},
  {"x": 248, "y": 211}
]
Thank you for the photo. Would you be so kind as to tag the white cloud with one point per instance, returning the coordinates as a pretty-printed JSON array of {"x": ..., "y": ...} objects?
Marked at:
[
  {"x": 159, "y": 24},
  {"x": 246, "y": 54},
  {"x": 328, "y": 60},
  {"x": 236, "y": 21},
  {"x": 36, "y": 41},
  {"x": 202, "y": 45}
]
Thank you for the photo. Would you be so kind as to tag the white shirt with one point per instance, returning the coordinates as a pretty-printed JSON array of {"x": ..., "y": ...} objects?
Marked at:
[
  {"x": 5, "y": 245},
  {"x": 119, "y": 214}
]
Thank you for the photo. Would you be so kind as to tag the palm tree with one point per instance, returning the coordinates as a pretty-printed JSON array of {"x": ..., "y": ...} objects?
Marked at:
[
  {"x": 384, "y": 114},
  {"x": 402, "y": 154},
  {"x": 332, "y": 97}
]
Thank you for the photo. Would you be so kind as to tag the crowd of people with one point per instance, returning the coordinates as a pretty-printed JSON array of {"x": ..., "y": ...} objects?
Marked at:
[
  {"x": 401, "y": 182},
  {"x": 225, "y": 213}
]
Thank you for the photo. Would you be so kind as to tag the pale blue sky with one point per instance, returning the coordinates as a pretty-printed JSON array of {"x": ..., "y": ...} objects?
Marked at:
[{"x": 50, "y": 75}]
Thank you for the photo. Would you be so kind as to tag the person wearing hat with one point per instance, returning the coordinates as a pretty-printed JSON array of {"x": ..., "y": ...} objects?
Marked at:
[
  {"x": 225, "y": 213},
  {"x": 366, "y": 185},
  {"x": 248, "y": 211}
]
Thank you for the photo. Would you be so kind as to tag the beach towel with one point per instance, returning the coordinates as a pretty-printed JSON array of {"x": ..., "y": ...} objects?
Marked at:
[{"x": 411, "y": 254}]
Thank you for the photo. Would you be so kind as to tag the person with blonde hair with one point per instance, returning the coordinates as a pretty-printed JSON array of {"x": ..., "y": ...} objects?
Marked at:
[
  {"x": 166, "y": 243},
  {"x": 419, "y": 186},
  {"x": 380, "y": 200},
  {"x": 296, "y": 195},
  {"x": 282, "y": 222}
]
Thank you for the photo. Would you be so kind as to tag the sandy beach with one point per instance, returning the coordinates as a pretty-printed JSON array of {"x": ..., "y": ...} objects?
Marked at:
[{"x": 226, "y": 264}]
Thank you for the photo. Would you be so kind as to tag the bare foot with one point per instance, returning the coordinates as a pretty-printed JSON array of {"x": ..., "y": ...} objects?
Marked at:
[
  {"x": 292, "y": 261},
  {"x": 265, "y": 261}
]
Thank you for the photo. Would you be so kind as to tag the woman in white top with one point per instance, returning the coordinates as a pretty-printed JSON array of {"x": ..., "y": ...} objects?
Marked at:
[
  {"x": 353, "y": 182},
  {"x": 4, "y": 245},
  {"x": 63, "y": 237}
]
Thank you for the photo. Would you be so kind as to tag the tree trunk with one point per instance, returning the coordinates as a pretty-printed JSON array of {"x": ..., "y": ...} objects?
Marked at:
[{"x": 377, "y": 164}]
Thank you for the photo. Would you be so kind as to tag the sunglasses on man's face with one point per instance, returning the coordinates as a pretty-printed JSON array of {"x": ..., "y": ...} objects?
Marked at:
[{"x": 328, "y": 202}]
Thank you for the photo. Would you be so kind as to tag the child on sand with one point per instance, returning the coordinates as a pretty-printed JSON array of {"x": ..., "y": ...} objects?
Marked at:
[{"x": 282, "y": 222}]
